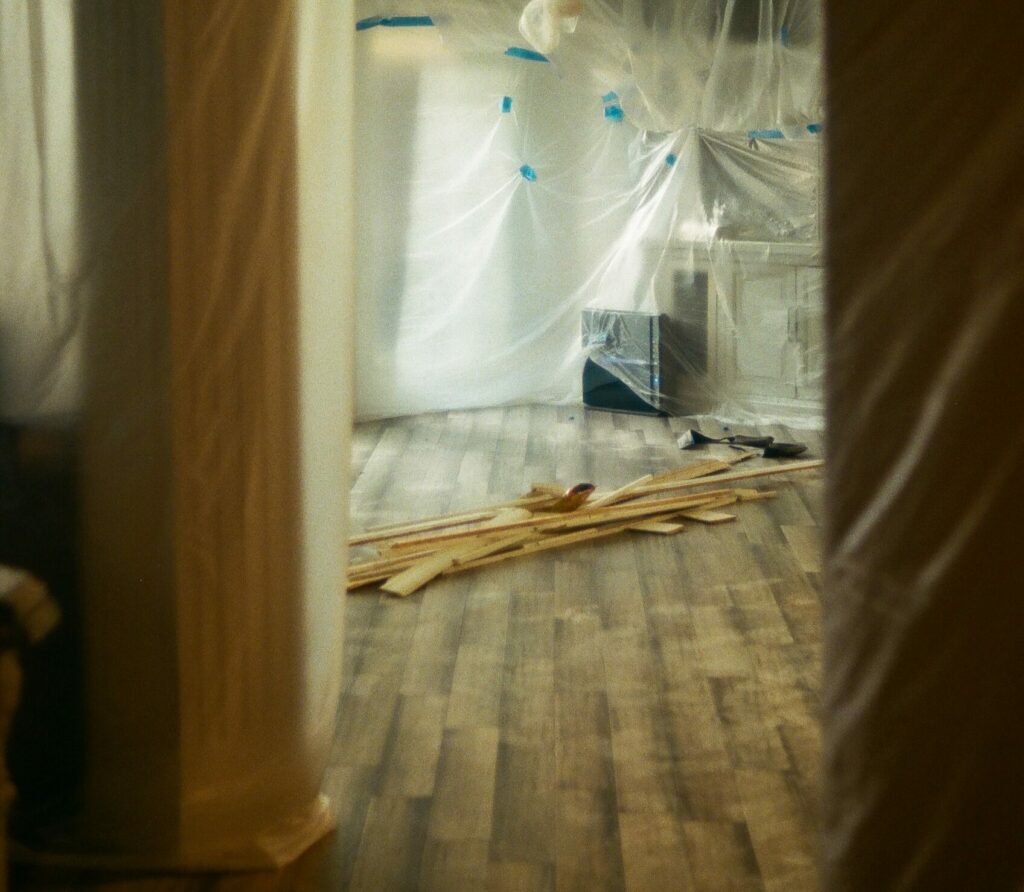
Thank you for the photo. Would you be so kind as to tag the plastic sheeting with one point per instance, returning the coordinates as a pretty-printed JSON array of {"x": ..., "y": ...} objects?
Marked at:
[
  {"x": 42, "y": 263},
  {"x": 175, "y": 259},
  {"x": 662, "y": 159},
  {"x": 923, "y": 701}
]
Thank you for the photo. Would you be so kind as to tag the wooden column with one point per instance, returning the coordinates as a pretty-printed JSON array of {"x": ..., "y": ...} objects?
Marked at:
[{"x": 215, "y": 422}]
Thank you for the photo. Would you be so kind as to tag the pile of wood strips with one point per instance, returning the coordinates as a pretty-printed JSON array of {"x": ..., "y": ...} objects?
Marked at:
[{"x": 412, "y": 554}]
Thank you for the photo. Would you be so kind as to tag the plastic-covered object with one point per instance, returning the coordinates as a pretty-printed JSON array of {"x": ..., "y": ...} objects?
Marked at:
[
  {"x": 923, "y": 700},
  {"x": 543, "y": 22},
  {"x": 660, "y": 160},
  {"x": 175, "y": 259}
]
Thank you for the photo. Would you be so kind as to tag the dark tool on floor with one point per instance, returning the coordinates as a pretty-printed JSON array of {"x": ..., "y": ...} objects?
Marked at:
[
  {"x": 783, "y": 450},
  {"x": 772, "y": 448}
]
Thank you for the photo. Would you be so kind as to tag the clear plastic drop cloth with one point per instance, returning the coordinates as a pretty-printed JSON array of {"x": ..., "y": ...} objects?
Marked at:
[
  {"x": 516, "y": 206},
  {"x": 41, "y": 272},
  {"x": 923, "y": 706},
  {"x": 175, "y": 278}
]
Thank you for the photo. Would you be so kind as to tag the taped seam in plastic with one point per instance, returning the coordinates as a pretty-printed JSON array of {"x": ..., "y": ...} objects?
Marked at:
[
  {"x": 401, "y": 21},
  {"x": 517, "y": 52},
  {"x": 786, "y": 132},
  {"x": 612, "y": 109}
]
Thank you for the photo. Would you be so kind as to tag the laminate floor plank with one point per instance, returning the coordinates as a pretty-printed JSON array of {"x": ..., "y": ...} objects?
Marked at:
[
  {"x": 637, "y": 713},
  {"x": 506, "y": 876},
  {"x": 781, "y": 830},
  {"x": 722, "y": 857},
  {"x": 525, "y": 802},
  {"x": 462, "y": 807},
  {"x": 654, "y": 852},
  {"x": 392, "y": 844},
  {"x": 463, "y": 864},
  {"x": 583, "y": 741},
  {"x": 588, "y": 852},
  {"x": 479, "y": 668},
  {"x": 411, "y": 769}
]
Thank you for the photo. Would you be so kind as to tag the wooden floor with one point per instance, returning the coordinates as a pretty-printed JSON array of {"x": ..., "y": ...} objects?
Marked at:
[{"x": 638, "y": 713}]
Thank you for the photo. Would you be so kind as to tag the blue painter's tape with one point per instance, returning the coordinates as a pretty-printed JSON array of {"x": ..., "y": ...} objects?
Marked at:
[
  {"x": 528, "y": 173},
  {"x": 814, "y": 128},
  {"x": 517, "y": 52},
  {"x": 765, "y": 134},
  {"x": 784, "y": 35},
  {"x": 671, "y": 159},
  {"x": 506, "y": 104},
  {"x": 398, "y": 21},
  {"x": 408, "y": 21},
  {"x": 613, "y": 113},
  {"x": 610, "y": 96}
]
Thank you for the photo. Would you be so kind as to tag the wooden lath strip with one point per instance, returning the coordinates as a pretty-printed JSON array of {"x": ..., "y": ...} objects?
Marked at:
[
  {"x": 538, "y": 496},
  {"x": 500, "y": 538},
  {"x": 581, "y": 517},
  {"x": 480, "y": 543},
  {"x": 704, "y": 515},
  {"x": 623, "y": 492},
  {"x": 659, "y": 527},
  {"x": 456, "y": 560},
  {"x": 424, "y": 569},
  {"x": 709, "y": 472},
  {"x": 560, "y": 541},
  {"x": 443, "y": 521},
  {"x": 671, "y": 486}
]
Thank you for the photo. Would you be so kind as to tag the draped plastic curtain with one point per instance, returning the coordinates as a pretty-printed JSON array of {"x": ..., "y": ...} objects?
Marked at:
[
  {"x": 663, "y": 160},
  {"x": 41, "y": 268},
  {"x": 924, "y": 628}
]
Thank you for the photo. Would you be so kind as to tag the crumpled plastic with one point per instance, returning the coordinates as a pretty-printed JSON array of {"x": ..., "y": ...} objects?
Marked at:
[{"x": 543, "y": 22}]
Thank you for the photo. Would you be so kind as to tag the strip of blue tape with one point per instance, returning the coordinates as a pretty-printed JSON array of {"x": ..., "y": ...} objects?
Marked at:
[
  {"x": 409, "y": 21},
  {"x": 765, "y": 134},
  {"x": 528, "y": 173},
  {"x": 784, "y": 35},
  {"x": 671, "y": 159},
  {"x": 814, "y": 128},
  {"x": 613, "y": 113},
  {"x": 398, "y": 21},
  {"x": 611, "y": 96},
  {"x": 517, "y": 52},
  {"x": 506, "y": 104}
]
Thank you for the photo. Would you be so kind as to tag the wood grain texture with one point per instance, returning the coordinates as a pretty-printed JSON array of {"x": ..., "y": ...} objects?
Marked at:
[{"x": 632, "y": 713}]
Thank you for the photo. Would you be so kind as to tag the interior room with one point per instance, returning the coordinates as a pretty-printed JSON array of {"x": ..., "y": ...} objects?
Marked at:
[{"x": 509, "y": 444}]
